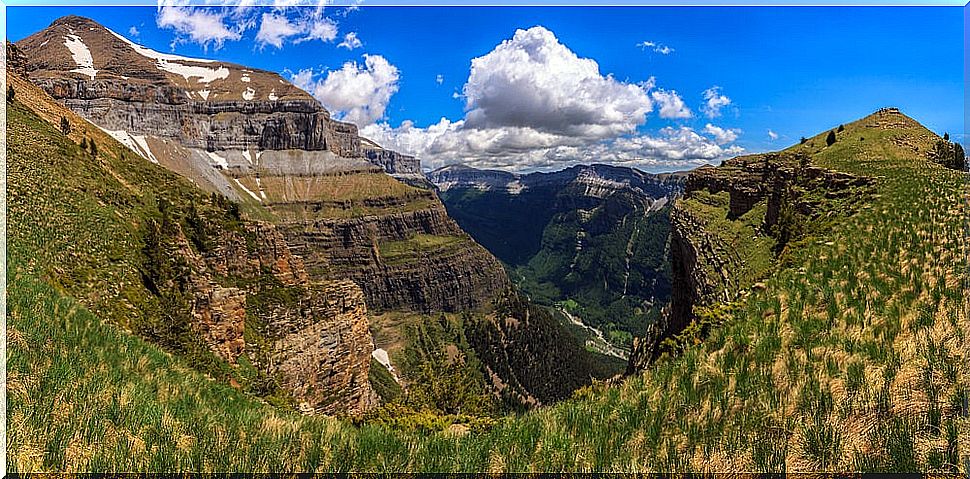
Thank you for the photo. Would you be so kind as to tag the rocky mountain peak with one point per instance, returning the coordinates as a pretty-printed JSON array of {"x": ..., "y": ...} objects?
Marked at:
[{"x": 74, "y": 47}]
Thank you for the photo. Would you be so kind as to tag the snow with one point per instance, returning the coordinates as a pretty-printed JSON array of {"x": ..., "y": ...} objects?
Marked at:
[
  {"x": 124, "y": 138},
  {"x": 143, "y": 145},
  {"x": 262, "y": 193},
  {"x": 170, "y": 63},
  {"x": 272, "y": 96},
  {"x": 218, "y": 160},
  {"x": 205, "y": 74},
  {"x": 204, "y": 94},
  {"x": 154, "y": 55},
  {"x": 245, "y": 79},
  {"x": 249, "y": 94},
  {"x": 381, "y": 356},
  {"x": 135, "y": 143},
  {"x": 81, "y": 54},
  {"x": 247, "y": 190},
  {"x": 248, "y": 157}
]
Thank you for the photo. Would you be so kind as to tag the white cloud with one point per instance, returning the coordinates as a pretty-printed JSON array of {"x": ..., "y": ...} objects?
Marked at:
[
  {"x": 533, "y": 81},
  {"x": 133, "y": 32},
  {"x": 355, "y": 93},
  {"x": 531, "y": 103},
  {"x": 714, "y": 100},
  {"x": 671, "y": 104},
  {"x": 656, "y": 47},
  {"x": 320, "y": 28},
  {"x": 217, "y": 21},
  {"x": 439, "y": 79},
  {"x": 722, "y": 135},
  {"x": 275, "y": 29},
  {"x": 205, "y": 26},
  {"x": 350, "y": 41},
  {"x": 520, "y": 149},
  {"x": 772, "y": 135}
]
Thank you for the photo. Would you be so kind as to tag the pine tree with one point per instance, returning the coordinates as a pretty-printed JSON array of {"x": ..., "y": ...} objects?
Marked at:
[
  {"x": 803, "y": 141},
  {"x": 94, "y": 148},
  {"x": 84, "y": 143},
  {"x": 841, "y": 128},
  {"x": 959, "y": 158},
  {"x": 65, "y": 126},
  {"x": 10, "y": 93},
  {"x": 830, "y": 140},
  {"x": 946, "y": 136}
]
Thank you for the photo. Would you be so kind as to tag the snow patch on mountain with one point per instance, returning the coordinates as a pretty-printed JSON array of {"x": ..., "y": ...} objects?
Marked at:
[
  {"x": 217, "y": 160},
  {"x": 176, "y": 64},
  {"x": 81, "y": 54}
]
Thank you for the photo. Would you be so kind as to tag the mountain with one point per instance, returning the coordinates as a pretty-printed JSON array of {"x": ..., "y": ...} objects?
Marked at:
[
  {"x": 264, "y": 242},
  {"x": 592, "y": 239},
  {"x": 835, "y": 339},
  {"x": 255, "y": 138}
]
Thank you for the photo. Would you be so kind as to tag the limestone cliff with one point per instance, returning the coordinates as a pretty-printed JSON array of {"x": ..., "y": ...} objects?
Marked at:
[
  {"x": 255, "y": 138},
  {"x": 147, "y": 251},
  {"x": 732, "y": 222}
]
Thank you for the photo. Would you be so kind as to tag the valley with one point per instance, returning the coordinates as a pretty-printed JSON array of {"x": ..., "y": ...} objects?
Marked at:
[{"x": 209, "y": 271}]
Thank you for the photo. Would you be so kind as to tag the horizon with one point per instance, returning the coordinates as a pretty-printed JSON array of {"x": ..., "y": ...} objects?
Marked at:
[{"x": 672, "y": 101}]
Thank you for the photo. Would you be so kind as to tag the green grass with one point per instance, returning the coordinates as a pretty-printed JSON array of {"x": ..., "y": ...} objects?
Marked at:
[
  {"x": 854, "y": 357},
  {"x": 417, "y": 246}
]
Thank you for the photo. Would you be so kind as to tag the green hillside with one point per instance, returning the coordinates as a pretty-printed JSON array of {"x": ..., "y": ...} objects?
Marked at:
[{"x": 854, "y": 356}]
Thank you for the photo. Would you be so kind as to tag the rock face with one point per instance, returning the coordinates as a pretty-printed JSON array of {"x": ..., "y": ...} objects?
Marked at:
[
  {"x": 199, "y": 103},
  {"x": 705, "y": 270},
  {"x": 391, "y": 161},
  {"x": 252, "y": 136},
  {"x": 319, "y": 344},
  {"x": 454, "y": 276}
]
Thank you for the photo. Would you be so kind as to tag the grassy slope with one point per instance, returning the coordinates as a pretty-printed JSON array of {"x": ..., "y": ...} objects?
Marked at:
[{"x": 855, "y": 357}]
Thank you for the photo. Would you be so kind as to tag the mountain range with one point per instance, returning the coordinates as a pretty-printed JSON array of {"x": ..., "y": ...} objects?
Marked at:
[{"x": 207, "y": 272}]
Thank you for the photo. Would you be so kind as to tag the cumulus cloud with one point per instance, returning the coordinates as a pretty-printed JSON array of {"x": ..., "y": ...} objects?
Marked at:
[
  {"x": 533, "y": 81},
  {"x": 133, "y": 32},
  {"x": 276, "y": 28},
  {"x": 714, "y": 100},
  {"x": 772, "y": 135},
  {"x": 671, "y": 104},
  {"x": 350, "y": 42},
  {"x": 355, "y": 93},
  {"x": 722, "y": 135},
  {"x": 656, "y": 47},
  {"x": 532, "y": 103},
  {"x": 448, "y": 142}
]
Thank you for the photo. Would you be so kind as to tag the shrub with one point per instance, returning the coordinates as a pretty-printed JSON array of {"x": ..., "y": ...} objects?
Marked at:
[
  {"x": 65, "y": 126},
  {"x": 10, "y": 93},
  {"x": 830, "y": 139}
]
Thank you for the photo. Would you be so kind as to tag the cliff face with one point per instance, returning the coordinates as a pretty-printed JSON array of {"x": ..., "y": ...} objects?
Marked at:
[
  {"x": 318, "y": 341},
  {"x": 756, "y": 196},
  {"x": 146, "y": 250},
  {"x": 255, "y": 138},
  {"x": 403, "y": 256}
]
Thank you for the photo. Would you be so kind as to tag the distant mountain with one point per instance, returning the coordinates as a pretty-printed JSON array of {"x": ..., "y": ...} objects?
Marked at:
[{"x": 593, "y": 234}]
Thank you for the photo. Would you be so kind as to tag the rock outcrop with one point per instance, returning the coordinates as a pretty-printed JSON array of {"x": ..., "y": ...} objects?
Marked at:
[
  {"x": 318, "y": 343},
  {"x": 391, "y": 161},
  {"x": 422, "y": 274},
  {"x": 705, "y": 266}
]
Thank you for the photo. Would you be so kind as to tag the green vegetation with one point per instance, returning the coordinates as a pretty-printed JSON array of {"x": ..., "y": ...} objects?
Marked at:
[
  {"x": 854, "y": 356},
  {"x": 417, "y": 246}
]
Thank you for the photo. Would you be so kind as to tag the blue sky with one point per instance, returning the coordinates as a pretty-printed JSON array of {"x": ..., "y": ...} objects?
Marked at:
[{"x": 794, "y": 71}]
